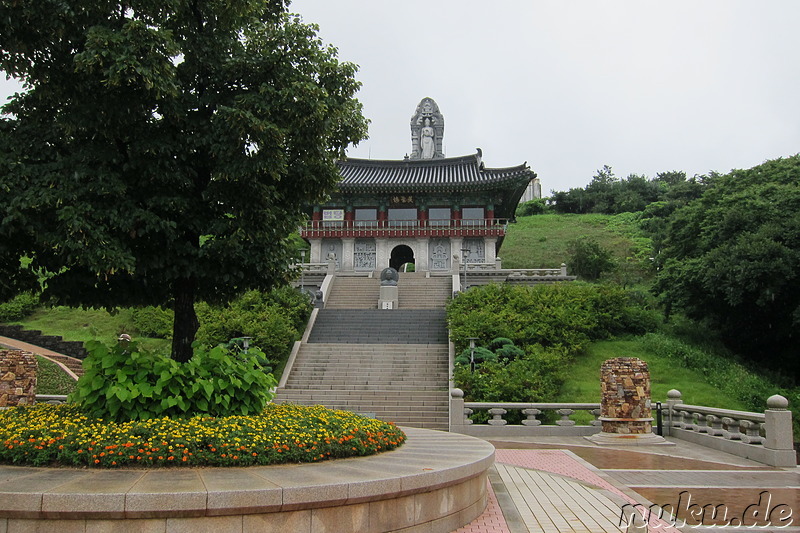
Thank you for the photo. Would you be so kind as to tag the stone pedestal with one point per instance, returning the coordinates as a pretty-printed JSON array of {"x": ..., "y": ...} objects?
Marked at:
[
  {"x": 625, "y": 404},
  {"x": 388, "y": 297}
]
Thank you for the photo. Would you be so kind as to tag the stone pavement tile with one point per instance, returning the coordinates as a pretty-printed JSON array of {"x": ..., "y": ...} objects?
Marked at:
[{"x": 564, "y": 464}]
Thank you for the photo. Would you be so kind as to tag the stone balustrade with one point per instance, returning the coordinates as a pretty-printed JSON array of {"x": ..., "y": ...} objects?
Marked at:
[
  {"x": 531, "y": 422},
  {"x": 765, "y": 437}
]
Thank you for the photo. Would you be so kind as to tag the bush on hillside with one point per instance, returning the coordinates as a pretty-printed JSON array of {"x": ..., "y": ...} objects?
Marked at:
[
  {"x": 537, "y": 206},
  {"x": 273, "y": 320},
  {"x": 548, "y": 323},
  {"x": 153, "y": 322},
  {"x": 588, "y": 259},
  {"x": 19, "y": 307},
  {"x": 567, "y": 315}
]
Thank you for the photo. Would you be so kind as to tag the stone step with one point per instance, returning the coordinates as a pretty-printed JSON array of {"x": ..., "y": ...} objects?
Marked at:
[{"x": 365, "y": 326}]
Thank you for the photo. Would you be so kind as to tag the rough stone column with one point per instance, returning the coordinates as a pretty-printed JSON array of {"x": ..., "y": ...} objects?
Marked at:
[
  {"x": 17, "y": 378},
  {"x": 625, "y": 403}
]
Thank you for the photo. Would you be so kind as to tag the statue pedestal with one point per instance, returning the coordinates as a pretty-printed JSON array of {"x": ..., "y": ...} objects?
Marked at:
[
  {"x": 388, "y": 297},
  {"x": 631, "y": 439}
]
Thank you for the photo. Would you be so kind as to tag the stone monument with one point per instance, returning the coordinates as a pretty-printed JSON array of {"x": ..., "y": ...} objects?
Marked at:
[
  {"x": 427, "y": 131},
  {"x": 17, "y": 378},
  {"x": 388, "y": 294},
  {"x": 625, "y": 404}
]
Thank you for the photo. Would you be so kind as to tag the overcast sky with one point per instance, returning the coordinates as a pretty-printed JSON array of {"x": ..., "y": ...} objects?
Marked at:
[{"x": 568, "y": 86}]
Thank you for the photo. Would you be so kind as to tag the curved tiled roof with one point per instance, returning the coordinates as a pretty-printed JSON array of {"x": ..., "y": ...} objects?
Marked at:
[{"x": 442, "y": 175}]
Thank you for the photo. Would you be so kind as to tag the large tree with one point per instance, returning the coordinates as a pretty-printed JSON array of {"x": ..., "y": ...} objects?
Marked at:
[
  {"x": 732, "y": 258},
  {"x": 162, "y": 150}
]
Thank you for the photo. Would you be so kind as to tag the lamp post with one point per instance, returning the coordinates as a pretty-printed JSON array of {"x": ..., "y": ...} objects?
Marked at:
[
  {"x": 464, "y": 252},
  {"x": 472, "y": 353},
  {"x": 302, "y": 270}
]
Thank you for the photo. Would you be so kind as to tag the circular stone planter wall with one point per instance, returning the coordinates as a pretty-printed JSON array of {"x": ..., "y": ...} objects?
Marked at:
[{"x": 436, "y": 481}]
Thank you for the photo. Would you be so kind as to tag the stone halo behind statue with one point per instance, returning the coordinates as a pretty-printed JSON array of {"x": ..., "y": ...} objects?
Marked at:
[{"x": 389, "y": 277}]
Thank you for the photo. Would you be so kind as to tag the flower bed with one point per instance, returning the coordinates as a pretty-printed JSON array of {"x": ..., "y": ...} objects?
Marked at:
[{"x": 62, "y": 435}]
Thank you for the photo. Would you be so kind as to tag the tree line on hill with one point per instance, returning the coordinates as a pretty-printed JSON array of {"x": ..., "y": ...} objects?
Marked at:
[{"x": 726, "y": 249}]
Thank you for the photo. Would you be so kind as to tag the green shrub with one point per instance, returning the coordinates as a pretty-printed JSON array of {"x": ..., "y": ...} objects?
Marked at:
[
  {"x": 481, "y": 355},
  {"x": 153, "y": 322},
  {"x": 19, "y": 307},
  {"x": 567, "y": 315},
  {"x": 537, "y": 206},
  {"x": 273, "y": 320},
  {"x": 588, "y": 259},
  {"x": 124, "y": 382}
]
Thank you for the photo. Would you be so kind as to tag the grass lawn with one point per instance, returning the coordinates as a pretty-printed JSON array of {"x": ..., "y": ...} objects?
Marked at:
[
  {"x": 583, "y": 383},
  {"x": 51, "y": 379},
  {"x": 89, "y": 324},
  {"x": 540, "y": 241}
]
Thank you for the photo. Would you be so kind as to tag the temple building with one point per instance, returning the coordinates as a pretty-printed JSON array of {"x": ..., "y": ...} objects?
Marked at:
[{"x": 427, "y": 209}]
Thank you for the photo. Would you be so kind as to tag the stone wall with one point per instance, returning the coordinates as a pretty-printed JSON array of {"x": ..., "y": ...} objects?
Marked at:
[
  {"x": 625, "y": 400},
  {"x": 17, "y": 378},
  {"x": 51, "y": 342}
]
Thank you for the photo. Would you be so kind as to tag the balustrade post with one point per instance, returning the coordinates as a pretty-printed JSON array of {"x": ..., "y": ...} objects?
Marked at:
[
  {"x": 687, "y": 420},
  {"x": 497, "y": 417},
  {"x": 778, "y": 424},
  {"x": 457, "y": 418},
  {"x": 733, "y": 432},
  {"x": 565, "y": 421},
  {"x": 596, "y": 422},
  {"x": 700, "y": 424},
  {"x": 751, "y": 432},
  {"x": 714, "y": 424},
  {"x": 530, "y": 419},
  {"x": 467, "y": 414},
  {"x": 673, "y": 399}
]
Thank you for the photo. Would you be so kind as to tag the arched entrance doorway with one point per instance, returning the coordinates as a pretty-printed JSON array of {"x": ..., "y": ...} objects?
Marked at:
[{"x": 400, "y": 255}]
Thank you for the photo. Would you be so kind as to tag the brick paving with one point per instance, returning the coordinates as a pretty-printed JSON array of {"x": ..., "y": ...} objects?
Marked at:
[{"x": 570, "y": 488}]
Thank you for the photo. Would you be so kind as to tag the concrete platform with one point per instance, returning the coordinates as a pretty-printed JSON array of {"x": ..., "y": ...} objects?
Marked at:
[{"x": 436, "y": 482}]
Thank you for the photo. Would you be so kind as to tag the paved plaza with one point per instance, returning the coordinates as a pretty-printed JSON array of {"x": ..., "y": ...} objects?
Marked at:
[{"x": 567, "y": 484}]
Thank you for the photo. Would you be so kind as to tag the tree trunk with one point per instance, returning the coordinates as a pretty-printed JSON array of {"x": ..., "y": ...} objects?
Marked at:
[{"x": 185, "y": 326}]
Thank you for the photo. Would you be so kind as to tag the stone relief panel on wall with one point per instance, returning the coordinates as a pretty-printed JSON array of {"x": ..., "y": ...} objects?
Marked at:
[
  {"x": 331, "y": 250},
  {"x": 476, "y": 251},
  {"x": 364, "y": 254},
  {"x": 439, "y": 253}
]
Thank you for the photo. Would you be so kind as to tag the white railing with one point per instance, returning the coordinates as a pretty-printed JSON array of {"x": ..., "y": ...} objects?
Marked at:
[
  {"x": 530, "y": 415},
  {"x": 417, "y": 227},
  {"x": 765, "y": 437}
]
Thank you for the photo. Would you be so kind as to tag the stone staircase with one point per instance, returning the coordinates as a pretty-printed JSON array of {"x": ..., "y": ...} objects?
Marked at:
[
  {"x": 354, "y": 293},
  {"x": 380, "y": 326},
  {"x": 390, "y": 364}
]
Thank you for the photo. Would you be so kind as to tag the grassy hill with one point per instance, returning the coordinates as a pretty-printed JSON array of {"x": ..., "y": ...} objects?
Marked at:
[{"x": 541, "y": 241}]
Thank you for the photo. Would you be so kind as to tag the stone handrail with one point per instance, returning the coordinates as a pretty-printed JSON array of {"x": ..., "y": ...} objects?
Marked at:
[
  {"x": 497, "y": 424},
  {"x": 51, "y": 398},
  {"x": 492, "y": 269},
  {"x": 765, "y": 437}
]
